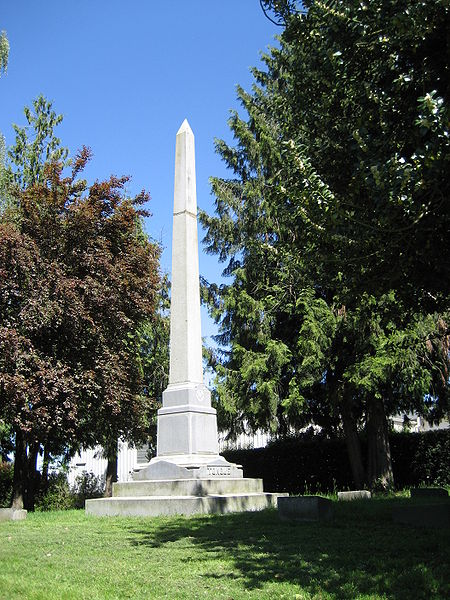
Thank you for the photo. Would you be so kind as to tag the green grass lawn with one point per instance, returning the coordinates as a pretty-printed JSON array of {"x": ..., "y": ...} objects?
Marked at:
[{"x": 360, "y": 554}]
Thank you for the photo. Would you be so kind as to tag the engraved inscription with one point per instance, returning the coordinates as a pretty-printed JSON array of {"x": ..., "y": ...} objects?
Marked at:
[
  {"x": 200, "y": 394},
  {"x": 219, "y": 471}
]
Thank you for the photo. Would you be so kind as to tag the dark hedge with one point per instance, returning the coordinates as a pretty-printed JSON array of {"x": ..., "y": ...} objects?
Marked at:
[{"x": 298, "y": 465}]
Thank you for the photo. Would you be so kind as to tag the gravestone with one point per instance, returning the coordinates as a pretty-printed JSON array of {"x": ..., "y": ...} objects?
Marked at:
[
  {"x": 188, "y": 475},
  {"x": 305, "y": 508},
  {"x": 12, "y": 514},
  {"x": 354, "y": 495},
  {"x": 187, "y": 441}
]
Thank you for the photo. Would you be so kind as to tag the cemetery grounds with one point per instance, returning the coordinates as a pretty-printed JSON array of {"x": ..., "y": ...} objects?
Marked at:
[{"x": 360, "y": 554}]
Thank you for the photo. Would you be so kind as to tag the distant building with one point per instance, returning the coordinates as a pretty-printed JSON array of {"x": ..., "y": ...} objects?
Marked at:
[{"x": 415, "y": 424}]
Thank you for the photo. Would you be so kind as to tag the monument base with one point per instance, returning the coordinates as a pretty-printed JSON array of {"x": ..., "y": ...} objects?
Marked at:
[
  {"x": 187, "y": 466},
  {"x": 183, "y": 497},
  {"x": 165, "y": 487}
]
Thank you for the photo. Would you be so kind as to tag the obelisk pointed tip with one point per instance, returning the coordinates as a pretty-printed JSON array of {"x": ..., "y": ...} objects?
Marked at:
[{"x": 185, "y": 127}]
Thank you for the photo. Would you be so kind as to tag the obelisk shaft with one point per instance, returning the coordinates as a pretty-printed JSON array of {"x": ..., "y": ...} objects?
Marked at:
[
  {"x": 187, "y": 423},
  {"x": 185, "y": 324}
]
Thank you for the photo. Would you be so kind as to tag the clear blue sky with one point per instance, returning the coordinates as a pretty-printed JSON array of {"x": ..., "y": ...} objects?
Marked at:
[{"x": 125, "y": 75}]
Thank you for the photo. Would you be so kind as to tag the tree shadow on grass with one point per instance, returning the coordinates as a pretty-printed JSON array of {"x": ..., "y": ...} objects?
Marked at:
[{"x": 359, "y": 552}]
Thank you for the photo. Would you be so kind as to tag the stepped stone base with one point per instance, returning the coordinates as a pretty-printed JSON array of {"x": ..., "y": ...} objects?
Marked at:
[
  {"x": 183, "y": 497},
  {"x": 188, "y": 487}
]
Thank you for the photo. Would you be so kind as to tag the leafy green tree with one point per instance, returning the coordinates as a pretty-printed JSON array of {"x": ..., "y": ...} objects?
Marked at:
[
  {"x": 336, "y": 311},
  {"x": 365, "y": 87}
]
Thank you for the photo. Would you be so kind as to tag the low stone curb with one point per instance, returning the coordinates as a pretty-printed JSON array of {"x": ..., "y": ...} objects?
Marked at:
[
  {"x": 354, "y": 495},
  {"x": 12, "y": 514}
]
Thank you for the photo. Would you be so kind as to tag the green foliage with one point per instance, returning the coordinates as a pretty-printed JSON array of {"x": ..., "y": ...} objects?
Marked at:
[
  {"x": 153, "y": 343},
  {"x": 36, "y": 144},
  {"x": 6, "y": 442},
  {"x": 79, "y": 282},
  {"x": 298, "y": 465},
  {"x": 58, "y": 495},
  {"x": 422, "y": 459},
  {"x": 87, "y": 485},
  {"x": 4, "y": 53},
  {"x": 6, "y": 479},
  {"x": 377, "y": 137},
  {"x": 334, "y": 224},
  {"x": 154, "y": 346}
]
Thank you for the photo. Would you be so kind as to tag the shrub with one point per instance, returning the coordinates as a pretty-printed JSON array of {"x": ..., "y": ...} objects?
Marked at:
[
  {"x": 421, "y": 458},
  {"x": 6, "y": 481},
  {"x": 87, "y": 485},
  {"x": 58, "y": 495}
]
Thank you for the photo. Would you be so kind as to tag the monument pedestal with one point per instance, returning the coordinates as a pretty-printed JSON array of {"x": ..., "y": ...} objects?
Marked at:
[
  {"x": 187, "y": 425},
  {"x": 183, "y": 497}
]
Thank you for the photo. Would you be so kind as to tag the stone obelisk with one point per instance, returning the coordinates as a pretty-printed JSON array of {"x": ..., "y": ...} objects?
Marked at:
[
  {"x": 187, "y": 423},
  {"x": 188, "y": 475}
]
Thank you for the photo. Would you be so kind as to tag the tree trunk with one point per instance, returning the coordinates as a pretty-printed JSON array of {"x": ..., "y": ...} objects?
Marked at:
[
  {"x": 33, "y": 475},
  {"x": 379, "y": 463},
  {"x": 20, "y": 471},
  {"x": 111, "y": 469},
  {"x": 353, "y": 444},
  {"x": 44, "y": 477}
]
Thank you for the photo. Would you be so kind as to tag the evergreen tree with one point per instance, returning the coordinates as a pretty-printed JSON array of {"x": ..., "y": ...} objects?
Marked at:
[
  {"x": 333, "y": 313},
  {"x": 4, "y": 53},
  {"x": 36, "y": 144}
]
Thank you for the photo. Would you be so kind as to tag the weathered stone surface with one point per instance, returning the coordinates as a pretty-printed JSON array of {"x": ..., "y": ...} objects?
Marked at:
[
  {"x": 12, "y": 514},
  {"x": 429, "y": 492},
  {"x": 187, "y": 430},
  {"x": 188, "y": 487},
  {"x": 186, "y": 364},
  {"x": 354, "y": 495},
  {"x": 423, "y": 515},
  {"x": 147, "y": 506},
  {"x": 187, "y": 423},
  {"x": 305, "y": 508},
  {"x": 159, "y": 468}
]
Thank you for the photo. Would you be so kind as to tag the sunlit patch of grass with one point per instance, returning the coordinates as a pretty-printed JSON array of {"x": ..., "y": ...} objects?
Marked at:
[{"x": 360, "y": 554}]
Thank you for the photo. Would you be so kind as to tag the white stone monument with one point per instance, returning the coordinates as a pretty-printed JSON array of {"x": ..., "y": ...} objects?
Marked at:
[
  {"x": 187, "y": 475},
  {"x": 187, "y": 423}
]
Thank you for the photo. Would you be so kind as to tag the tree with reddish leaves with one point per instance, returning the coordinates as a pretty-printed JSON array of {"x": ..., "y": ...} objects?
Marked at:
[{"x": 78, "y": 279}]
